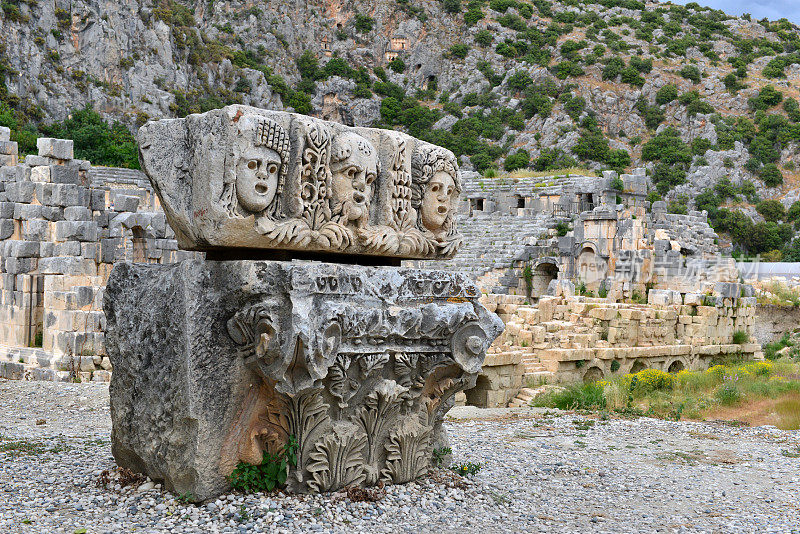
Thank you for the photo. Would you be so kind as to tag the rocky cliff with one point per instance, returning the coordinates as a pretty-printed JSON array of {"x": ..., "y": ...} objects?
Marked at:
[{"x": 692, "y": 93}]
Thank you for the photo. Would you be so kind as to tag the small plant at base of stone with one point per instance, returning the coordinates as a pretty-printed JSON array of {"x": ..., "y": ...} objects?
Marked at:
[
  {"x": 740, "y": 337},
  {"x": 467, "y": 468},
  {"x": 269, "y": 474},
  {"x": 440, "y": 454},
  {"x": 185, "y": 498}
]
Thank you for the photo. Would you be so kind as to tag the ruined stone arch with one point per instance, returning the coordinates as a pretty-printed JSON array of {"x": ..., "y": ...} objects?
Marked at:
[
  {"x": 593, "y": 373},
  {"x": 544, "y": 271},
  {"x": 590, "y": 266},
  {"x": 675, "y": 366},
  {"x": 637, "y": 366}
]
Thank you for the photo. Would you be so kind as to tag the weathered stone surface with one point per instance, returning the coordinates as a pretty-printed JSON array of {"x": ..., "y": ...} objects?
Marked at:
[
  {"x": 250, "y": 178},
  {"x": 55, "y": 148},
  {"x": 215, "y": 362}
]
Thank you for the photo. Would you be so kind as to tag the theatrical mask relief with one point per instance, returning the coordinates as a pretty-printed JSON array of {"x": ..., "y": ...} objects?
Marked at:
[{"x": 251, "y": 178}]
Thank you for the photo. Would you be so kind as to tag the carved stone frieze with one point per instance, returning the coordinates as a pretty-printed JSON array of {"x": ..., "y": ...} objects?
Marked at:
[
  {"x": 242, "y": 177},
  {"x": 359, "y": 364}
]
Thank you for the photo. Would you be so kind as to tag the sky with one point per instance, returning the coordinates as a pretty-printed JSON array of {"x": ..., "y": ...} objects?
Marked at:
[{"x": 772, "y": 9}]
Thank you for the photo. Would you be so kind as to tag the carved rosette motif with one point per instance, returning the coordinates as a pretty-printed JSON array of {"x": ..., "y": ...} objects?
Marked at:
[{"x": 362, "y": 387}]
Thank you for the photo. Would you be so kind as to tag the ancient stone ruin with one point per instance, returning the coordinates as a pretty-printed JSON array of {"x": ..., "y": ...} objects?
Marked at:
[
  {"x": 217, "y": 361},
  {"x": 593, "y": 281},
  {"x": 63, "y": 226}
]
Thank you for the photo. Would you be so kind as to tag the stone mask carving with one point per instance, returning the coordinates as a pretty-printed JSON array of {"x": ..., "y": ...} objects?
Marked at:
[
  {"x": 435, "y": 187},
  {"x": 255, "y": 168},
  {"x": 241, "y": 177},
  {"x": 354, "y": 168}
]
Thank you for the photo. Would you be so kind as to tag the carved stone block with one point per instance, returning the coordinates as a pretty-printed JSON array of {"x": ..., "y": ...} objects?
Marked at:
[
  {"x": 216, "y": 362},
  {"x": 249, "y": 178}
]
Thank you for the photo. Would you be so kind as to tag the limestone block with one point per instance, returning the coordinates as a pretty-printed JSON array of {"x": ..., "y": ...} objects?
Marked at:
[
  {"x": 76, "y": 230},
  {"x": 693, "y": 299},
  {"x": 77, "y": 213},
  {"x": 40, "y": 174},
  {"x": 126, "y": 202},
  {"x": 32, "y": 160},
  {"x": 8, "y": 148},
  {"x": 20, "y": 192},
  {"x": 604, "y": 314},
  {"x": 5, "y": 133},
  {"x": 55, "y": 148},
  {"x": 101, "y": 376},
  {"x": 246, "y": 177},
  {"x": 64, "y": 174},
  {"x": 359, "y": 364},
  {"x": 6, "y": 228}
]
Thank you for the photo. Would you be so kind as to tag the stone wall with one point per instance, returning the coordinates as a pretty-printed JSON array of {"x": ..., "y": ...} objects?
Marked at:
[
  {"x": 575, "y": 338},
  {"x": 63, "y": 224},
  {"x": 772, "y": 322}
]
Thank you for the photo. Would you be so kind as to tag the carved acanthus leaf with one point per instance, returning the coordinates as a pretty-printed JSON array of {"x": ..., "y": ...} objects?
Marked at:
[
  {"x": 337, "y": 460},
  {"x": 407, "y": 452}
]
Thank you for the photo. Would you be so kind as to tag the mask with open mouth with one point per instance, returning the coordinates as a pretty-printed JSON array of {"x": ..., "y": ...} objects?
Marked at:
[
  {"x": 354, "y": 168},
  {"x": 256, "y": 167}
]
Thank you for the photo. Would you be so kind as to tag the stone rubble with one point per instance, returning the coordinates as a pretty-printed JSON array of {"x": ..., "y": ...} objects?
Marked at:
[{"x": 542, "y": 471}]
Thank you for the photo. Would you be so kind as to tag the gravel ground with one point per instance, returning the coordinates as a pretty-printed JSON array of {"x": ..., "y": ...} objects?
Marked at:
[{"x": 553, "y": 472}]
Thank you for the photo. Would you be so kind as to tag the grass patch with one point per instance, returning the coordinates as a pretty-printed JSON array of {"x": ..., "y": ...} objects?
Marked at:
[
  {"x": 779, "y": 294},
  {"x": 574, "y": 397},
  {"x": 527, "y": 173},
  {"x": 788, "y": 409},
  {"x": 765, "y": 392}
]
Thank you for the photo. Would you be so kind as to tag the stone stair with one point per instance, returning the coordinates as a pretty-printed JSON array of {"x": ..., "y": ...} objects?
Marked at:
[{"x": 491, "y": 242}]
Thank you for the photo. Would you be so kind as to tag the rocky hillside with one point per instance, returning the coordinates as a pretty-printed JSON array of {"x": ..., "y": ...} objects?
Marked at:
[{"x": 708, "y": 102}]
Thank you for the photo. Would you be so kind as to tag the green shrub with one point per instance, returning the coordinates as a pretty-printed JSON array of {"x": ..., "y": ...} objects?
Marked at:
[
  {"x": 459, "y": 51},
  {"x": 732, "y": 83},
  {"x": 652, "y": 115},
  {"x": 666, "y": 94},
  {"x": 364, "y": 23},
  {"x": 668, "y": 148},
  {"x": 740, "y": 337},
  {"x": 96, "y": 140},
  {"x": 766, "y": 98},
  {"x": 271, "y": 473},
  {"x": 771, "y": 210},
  {"x": 519, "y": 81},
  {"x": 484, "y": 37},
  {"x": 574, "y": 397},
  {"x": 699, "y": 107},
  {"x": 794, "y": 211},
  {"x": 472, "y": 16},
  {"x": 632, "y": 76},
  {"x": 771, "y": 175},
  {"x": 678, "y": 207},
  {"x": 613, "y": 68},
  {"x": 452, "y": 6},
  {"x": 519, "y": 160},
  {"x": 691, "y": 72},
  {"x": 397, "y": 65},
  {"x": 616, "y": 184},
  {"x": 771, "y": 349},
  {"x": 567, "y": 69}
]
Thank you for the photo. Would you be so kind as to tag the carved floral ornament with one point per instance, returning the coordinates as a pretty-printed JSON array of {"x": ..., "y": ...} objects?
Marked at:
[
  {"x": 363, "y": 407},
  {"x": 262, "y": 179}
]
